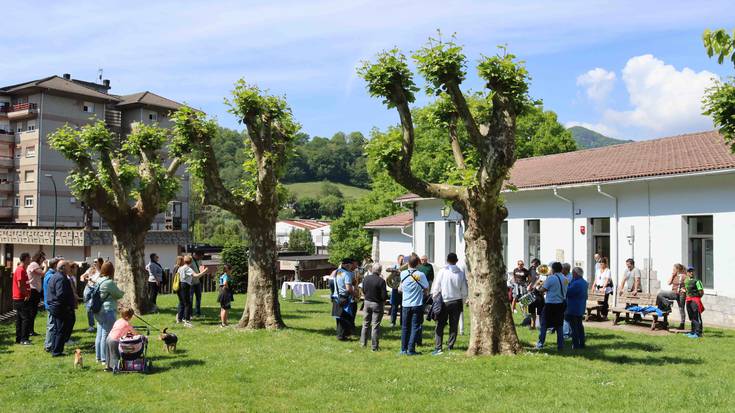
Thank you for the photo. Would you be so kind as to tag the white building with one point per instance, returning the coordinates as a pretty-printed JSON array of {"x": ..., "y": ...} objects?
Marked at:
[
  {"x": 319, "y": 230},
  {"x": 660, "y": 202}
]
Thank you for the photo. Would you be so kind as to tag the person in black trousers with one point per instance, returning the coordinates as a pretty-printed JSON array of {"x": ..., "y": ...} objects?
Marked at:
[{"x": 61, "y": 304}]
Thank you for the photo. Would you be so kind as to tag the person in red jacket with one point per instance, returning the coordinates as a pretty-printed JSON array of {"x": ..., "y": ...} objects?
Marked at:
[{"x": 21, "y": 301}]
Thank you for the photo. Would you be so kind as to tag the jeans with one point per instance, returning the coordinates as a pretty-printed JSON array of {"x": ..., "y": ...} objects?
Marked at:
[
  {"x": 196, "y": 292},
  {"x": 90, "y": 318},
  {"x": 605, "y": 306},
  {"x": 450, "y": 312},
  {"x": 411, "y": 320},
  {"x": 185, "y": 301},
  {"x": 113, "y": 352},
  {"x": 662, "y": 302},
  {"x": 33, "y": 302},
  {"x": 371, "y": 323},
  {"x": 64, "y": 325},
  {"x": 22, "y": 320},
  {"x": 576, "y": 330},
  {"x": 153, "y": 289},
  {"x": 395, "y": 305},
  {"x": 105, "y": 321},
  {"x": 552, "y": 316},
  {"x": 51, "y": 329},
  {"x": 695, "y": 317}
]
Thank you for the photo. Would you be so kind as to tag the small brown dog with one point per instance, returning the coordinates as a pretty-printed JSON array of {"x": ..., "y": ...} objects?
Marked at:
[
  {"x": 78, "y": 360},
  {"x": 169, "y": 340}
]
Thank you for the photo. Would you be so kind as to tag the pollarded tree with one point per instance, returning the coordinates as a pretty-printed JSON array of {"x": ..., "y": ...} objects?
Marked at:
[
  {"x": 481, "y": 166},
  {"x": 127, "y": 182},
  {"x": 271, "y": 132}
]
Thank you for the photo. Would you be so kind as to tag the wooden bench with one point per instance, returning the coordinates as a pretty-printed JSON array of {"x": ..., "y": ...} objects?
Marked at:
[
  {"x": 595, "y": 303},
  {"x": 642, "y": 300}
]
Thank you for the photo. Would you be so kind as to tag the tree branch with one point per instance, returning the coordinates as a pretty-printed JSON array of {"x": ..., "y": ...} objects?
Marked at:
[
  {"x": 456, "y": 147},
  {"x": 119, "y": 199},
  {"x": 401, "y": 170},
  {"x": 460, "y": 103}
]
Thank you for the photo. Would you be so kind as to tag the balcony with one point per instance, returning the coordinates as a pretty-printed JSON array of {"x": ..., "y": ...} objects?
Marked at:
[
  {"x": 4, "y": 111},
  {"x": 22, "y": 111},
  {"x": 6, "y": 187},
  {"x": 7, "y": 136},
  {"x": 113, "y": 118},
  {"x": 7, "y": 162},
  {"x": 6, "y": 212}
]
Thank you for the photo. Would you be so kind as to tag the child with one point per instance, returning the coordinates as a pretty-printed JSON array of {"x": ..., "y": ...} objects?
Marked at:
[
  {"x": 120, "y": 329},
  {"x": 694, "y": 293},
  {"x": 225, "y": 295}
]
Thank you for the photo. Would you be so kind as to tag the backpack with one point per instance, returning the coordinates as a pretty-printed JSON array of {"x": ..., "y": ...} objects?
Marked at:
[
  {"x": 94, "y": 302},
  {"x": 175, "y": 284}
]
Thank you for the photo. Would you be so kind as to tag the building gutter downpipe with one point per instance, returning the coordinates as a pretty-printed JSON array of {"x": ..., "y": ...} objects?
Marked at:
[
  {"x": 571, "y": 203},
  {"x": 617, "y": 245}
]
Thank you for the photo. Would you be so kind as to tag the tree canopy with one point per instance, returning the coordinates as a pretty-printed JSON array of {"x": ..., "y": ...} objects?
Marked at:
[{"x": 719, "y": 100}]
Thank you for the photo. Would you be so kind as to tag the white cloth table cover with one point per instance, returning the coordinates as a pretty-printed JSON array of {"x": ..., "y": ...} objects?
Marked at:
[{"x": 299, "y": 288}]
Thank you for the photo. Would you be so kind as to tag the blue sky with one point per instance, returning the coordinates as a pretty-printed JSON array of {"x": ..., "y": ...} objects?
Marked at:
[{"x": 630, "y": 69}]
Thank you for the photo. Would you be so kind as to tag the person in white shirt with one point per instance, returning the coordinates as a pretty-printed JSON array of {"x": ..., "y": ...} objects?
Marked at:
[
  {"x": 450, "y": 286},
  {"x": 603, "y": 283}
]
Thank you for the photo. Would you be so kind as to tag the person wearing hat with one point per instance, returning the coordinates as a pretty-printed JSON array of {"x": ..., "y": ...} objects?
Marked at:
[
  {"x": 344, "y": 307},
  {"x": 694, "y": 292}
]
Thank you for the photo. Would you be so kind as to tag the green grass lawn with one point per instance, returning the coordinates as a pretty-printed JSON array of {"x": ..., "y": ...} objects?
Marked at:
[
  {"x": 304, "y": 368},
  {"x": 313, "y": 189}
]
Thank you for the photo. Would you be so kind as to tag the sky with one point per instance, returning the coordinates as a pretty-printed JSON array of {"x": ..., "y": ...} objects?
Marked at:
[{"x": 629, "y": 69}]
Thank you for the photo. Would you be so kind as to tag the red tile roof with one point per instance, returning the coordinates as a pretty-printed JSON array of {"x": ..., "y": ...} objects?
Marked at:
[
  {"x": 308, "y": 224},
  {"x": 401, "y": 220},
  {"x": 682, "y": 154}
]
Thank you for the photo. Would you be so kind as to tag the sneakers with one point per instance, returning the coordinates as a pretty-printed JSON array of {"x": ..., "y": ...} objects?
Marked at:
[
  {"x": 403, "y": 353},
  {"x": 187, "y": 324},
  {"x": 25, "y": 343},
  {"x": 92, "y": 330},
  {"x": 539, "y": 346},
  {"x": 437, "y": 352},
  {"x": 692, "y": 335},
  {"x": 413, "y": 353}
]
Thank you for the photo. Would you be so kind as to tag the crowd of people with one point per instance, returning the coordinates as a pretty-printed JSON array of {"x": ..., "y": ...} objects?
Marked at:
[{"x": 415, "y": 295}]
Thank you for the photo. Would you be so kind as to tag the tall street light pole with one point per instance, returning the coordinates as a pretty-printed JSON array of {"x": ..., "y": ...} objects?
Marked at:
[{"x": 56, "y": 211}]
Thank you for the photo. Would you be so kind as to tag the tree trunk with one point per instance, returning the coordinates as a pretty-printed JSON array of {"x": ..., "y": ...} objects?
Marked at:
[
  {"x": 262, "y": 309},
  {"x": 492, "y": 328},
  {"x": 130, "y": 273}
]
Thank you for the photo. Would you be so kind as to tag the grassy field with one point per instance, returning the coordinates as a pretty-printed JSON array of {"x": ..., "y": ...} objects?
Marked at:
[
  {"x": 302, "y": 189},
  {"x": 304, "y": 368}
]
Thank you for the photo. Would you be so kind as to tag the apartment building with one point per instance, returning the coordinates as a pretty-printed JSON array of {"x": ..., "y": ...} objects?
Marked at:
[{"x": 29, "y": 112}]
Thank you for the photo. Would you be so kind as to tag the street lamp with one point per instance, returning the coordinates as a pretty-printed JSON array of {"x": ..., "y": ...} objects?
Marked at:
[{"x": 56, "y": 211}]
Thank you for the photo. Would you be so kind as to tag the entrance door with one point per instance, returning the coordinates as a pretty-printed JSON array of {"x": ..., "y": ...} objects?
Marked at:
[{"x": 600, "y": 240}]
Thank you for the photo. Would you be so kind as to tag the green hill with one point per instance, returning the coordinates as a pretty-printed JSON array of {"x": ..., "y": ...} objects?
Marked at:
[
  {"x": 301, "y": 189},
  {"x": 587, "y": 138}
]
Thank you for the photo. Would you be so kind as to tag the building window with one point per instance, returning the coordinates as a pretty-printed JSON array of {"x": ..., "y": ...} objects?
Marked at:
[
  {"x": 88, "y": 107},
  {"x": 30, "y": 151},
  {"x": 17, "y": 201},
  {"x": 599, "y": 237},
  {"x": 504, "y": 240},
  {"x": 153, "y": 116},
  {"x": 28, "y": 201},
  {"x": 533, "y": 239},
  {"x": 429, "y": 238},
  {"x": 451, "y": 237},
  {"x": 30, "y": 176},
  {"x": 701, "y": 248}
]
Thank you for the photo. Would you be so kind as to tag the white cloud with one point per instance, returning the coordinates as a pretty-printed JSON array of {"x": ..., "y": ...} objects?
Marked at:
[
  {"x": 663, "y": 99},
  {"x": 598, "y": 84}
]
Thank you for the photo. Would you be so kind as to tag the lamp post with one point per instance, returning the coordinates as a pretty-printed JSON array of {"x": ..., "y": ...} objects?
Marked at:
[{"x": 56, "y": 211}]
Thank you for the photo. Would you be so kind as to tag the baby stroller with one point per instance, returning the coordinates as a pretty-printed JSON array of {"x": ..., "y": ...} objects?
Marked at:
[{"x": 133, "y": 353}]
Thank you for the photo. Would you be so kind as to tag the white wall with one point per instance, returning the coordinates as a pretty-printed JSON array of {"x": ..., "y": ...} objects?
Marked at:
[
  {"x": 655, "y": 209},
  {"x": 391, "y": 244}
]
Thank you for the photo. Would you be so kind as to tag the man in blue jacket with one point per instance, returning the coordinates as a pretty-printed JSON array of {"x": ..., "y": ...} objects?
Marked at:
[
  {"x": 50, "y": 325},
  {"x": 60, "y": 301},
  {"x": 576, "y": 303}
]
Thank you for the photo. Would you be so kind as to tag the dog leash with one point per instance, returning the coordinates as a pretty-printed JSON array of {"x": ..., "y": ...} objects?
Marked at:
[{"x": 149, "y": 324}]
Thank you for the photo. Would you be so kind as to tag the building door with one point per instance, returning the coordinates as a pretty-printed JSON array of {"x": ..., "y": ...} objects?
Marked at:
[
  {"x": 701, "y": 249},
  {"x": 533, "y": 239},
  {"x": 600, "y": 240}
]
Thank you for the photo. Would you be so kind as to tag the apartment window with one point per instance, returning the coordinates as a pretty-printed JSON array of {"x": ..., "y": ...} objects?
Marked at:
[
  {"x": 153, "y": 116},
  {"x": 28, "y": 201},
  {"x": 17, "y": 201},
  {"x": 30, "y": 176},
  {"x": 30, "y": 151},
  {"x": 88, "y": 107},
  {"x": 533, "y": 239},
  {"x": 701, "y": 248},
  {"x": 31, "y": 125},
  {"x": 451, "y": 237},
  {"x": 429, "y": 239}
]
